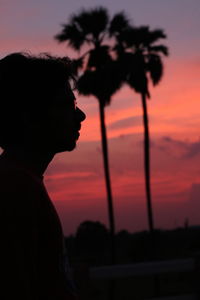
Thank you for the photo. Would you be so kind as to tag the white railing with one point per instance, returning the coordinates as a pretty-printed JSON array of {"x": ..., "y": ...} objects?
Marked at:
[
  {"x": 140, "y": 269},
  {"x": 181, "y": 297},
  {"x": 147, "y": 268}
]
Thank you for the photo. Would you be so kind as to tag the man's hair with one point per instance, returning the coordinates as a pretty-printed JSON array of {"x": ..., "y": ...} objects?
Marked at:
[{"x": 29, "y": 83}]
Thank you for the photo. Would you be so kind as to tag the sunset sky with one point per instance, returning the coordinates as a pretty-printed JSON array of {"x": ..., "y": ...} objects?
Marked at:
[{"x": 75, "y": 180}]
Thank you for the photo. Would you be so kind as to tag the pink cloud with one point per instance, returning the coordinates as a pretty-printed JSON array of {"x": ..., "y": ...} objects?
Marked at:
[{"x": 81, "y": 185}]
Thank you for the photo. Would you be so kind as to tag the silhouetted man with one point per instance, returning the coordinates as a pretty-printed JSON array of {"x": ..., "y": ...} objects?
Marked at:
[{"x": 38, "y": 118}]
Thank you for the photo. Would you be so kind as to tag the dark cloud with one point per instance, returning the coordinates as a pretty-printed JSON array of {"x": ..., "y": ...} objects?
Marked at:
[
  {"x": 131, "y": 215},
  {"x": 177, "y": 148},
  {"x": 125, "y": 123},
  {"x": 193, "y": 203},
  {"x": 194, "y": 198},
  {"x": 193, "y": 149}
]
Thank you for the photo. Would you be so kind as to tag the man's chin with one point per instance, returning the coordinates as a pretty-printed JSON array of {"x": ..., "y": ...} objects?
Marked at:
[{"x": 68, "y": 147}]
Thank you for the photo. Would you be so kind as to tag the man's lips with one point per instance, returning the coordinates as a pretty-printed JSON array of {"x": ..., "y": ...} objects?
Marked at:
[
  {"x": 77, "y": 133},
  {"x": 79, "y": 127}
]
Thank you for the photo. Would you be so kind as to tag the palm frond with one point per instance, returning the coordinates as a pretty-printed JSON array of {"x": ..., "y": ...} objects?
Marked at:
[
  {"x": 133, "y": 69},
  {"x": 86, "y": 83},
  {"x": 155, "y": 68},
  {"x": 101, "y": 83},
  {"x": 98, "y": 57},
  {"x": 140, "y": 36},
  {"x": 136, "y": 77},
  {"x": 77, "y": 64},
  {"x": 159, "y": 48},
  {"x": 71, "y": 34},
  {"x": 139, "y": 82},
  {"x": 155, "y": 35},
  {"x": 93, "y": 21},
  {"x": 128, "y": 37},
  {"x": 118, "y": 23},
  {"x": 111, "y": 79},
  {"x": 126, "y": 63}
]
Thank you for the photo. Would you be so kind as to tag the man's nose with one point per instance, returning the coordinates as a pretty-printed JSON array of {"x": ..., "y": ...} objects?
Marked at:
[{"x": 80, "y": 114}]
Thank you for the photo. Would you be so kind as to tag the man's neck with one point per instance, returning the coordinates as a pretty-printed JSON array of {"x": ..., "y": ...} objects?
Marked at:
[{"x": 32, "y": 159}]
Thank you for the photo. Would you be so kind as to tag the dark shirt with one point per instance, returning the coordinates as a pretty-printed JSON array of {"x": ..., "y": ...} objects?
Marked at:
[{"x": 33, "y": 262}]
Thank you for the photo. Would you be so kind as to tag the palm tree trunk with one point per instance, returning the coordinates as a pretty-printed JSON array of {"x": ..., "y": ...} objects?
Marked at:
[
  {"x": 147, "y": 164},
  {"x": 108, "y": 183},
  {"x": 153, "y": 248}
]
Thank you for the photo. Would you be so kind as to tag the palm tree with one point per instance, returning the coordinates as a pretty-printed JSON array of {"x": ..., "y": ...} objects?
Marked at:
[
  {"x": 141, "y": 60},
  {"x": 99, "y": 76}
]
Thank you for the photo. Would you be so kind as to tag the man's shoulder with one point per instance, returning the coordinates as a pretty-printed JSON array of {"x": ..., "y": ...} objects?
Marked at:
[
  {"x": 20, "y": 194},
  {"x": 15, "y": 177},
  {"x": 14, "y": 180}
]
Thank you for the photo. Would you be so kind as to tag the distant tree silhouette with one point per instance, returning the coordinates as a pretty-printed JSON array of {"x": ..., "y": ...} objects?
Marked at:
[
  {"x": 99, "y": 76},
  {"x": 141, "y": 61},
  {"x": 92, "y": 236}
]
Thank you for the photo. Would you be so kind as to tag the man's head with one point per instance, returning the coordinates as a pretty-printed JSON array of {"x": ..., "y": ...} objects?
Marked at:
[{"x": 37, "y": 105}]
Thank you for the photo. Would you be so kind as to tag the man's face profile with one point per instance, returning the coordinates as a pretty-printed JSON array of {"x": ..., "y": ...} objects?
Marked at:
[
  {"x": 39, "y": 112},
  {"x": 58, "y": 130},
  {"x": 66, "y": 120}
]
